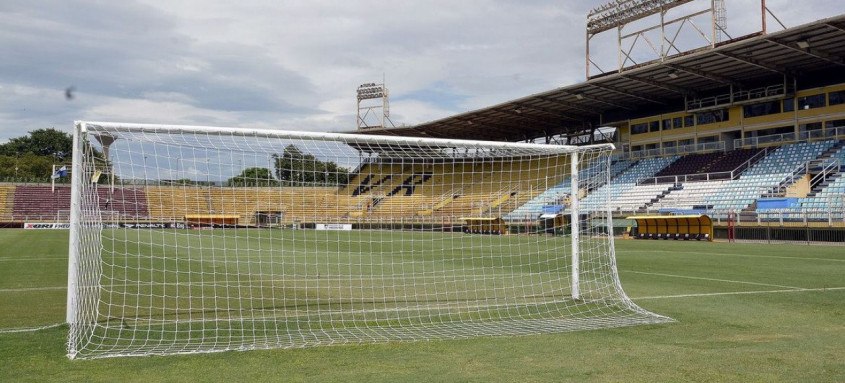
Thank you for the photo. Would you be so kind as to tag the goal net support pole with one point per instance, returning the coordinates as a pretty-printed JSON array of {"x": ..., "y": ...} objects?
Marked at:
[
  {"x": 73, "y": 252},
  {"x": 191, "y": 239},
  {"x": 575, "y": 219}
]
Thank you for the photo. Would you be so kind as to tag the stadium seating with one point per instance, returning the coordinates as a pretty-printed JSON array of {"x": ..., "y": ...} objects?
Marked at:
[
  {"x": 478, "y": 204},
  {"x": 124, "y": 203},
  {"x": 637, "y": 196},
  {"x": 173, "y": 202},
  {"x": 626, "y": 183},
  {"x": 533, "y": 208},
  {"x": 619, "y": 166},
  {"x": 690, "y": 164},
  {"x": 556, "y": 195},
  {"x": 716, "y": 162},
  {"x": 765, "y": 175},
  {"x": 40, "y": 203},
  {"x": 295, "y": 203},
  {"x": 689, "y": 196},
  {"x": 730, "y": 160},
  {"x": 7, "y": 193},
  {"x": 832, "y": 196},
  {"x": 487, "y": 188},
  {"x": 400, "y": 207}
]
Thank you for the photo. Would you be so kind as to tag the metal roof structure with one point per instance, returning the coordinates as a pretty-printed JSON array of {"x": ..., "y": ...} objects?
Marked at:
[{"x": 745, "y": 63}]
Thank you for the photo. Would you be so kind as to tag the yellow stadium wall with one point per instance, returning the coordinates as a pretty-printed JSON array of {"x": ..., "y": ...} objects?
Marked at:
[{"x": 735, "y": 122}]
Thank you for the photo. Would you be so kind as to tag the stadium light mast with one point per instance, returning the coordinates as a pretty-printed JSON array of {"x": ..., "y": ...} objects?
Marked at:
[
  {"x": 373, "y": 106},
  {"x": 618, "y": 14}
]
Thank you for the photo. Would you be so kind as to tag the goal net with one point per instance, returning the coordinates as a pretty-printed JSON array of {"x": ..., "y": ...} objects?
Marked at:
[{"x": 196, "y": 239}]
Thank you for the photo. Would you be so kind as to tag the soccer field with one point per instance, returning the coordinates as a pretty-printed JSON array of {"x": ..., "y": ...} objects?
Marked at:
[{"x": 744, "y": 312}]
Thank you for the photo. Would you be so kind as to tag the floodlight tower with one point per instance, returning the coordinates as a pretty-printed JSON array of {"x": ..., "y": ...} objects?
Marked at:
[
  {"x": 371, "y": 113},
  {"x": 619, "y": 13}
]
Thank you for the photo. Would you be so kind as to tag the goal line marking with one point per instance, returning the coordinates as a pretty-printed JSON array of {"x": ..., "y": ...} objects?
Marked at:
[
  {"x": 448, "y": 278},
  {"x": 712, "y": 279},
  {"x": 25, "y": 289},
  {"x": 30, "y": 259},
  {"x": 740, "y": 293},
  {"x": 13, "y": 330},
  {"x": 736, "y": 255},
  {"x": 551, "y": 277}
]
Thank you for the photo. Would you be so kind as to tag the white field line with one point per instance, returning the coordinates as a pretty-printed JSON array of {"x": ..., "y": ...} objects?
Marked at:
[
  {"x": 739, "y": 293},
  {"x": 25, "y": 289},
  {"x": 439, "y": 278},
  {"x": 13, "y": 330},
  {"x": 51, "y": 258},
  {"x": 301, "y": 313},
  {"x": 32, "y": 329},
  {"x": 30, "y": 259},
  {"x": 712, "y": 279},
  {"x": 736, "y": 255},
  {"x": 221, "y": 281}
]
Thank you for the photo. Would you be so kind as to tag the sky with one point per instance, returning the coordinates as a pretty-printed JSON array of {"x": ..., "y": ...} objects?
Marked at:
[{"x": 295, "y": 65}]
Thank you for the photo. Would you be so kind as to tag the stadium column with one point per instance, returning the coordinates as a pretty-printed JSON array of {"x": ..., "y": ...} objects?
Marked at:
[{"x": 575, "y": 224}]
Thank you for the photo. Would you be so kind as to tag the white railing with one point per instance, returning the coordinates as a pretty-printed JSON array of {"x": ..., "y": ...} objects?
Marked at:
[
  {"x": 753, "y": 142},
  {"x": 821, "y": 134},
  {"x": 678, "y": 150},
  {"x": 825, "y": 168},
  {"x": 738, "y": 97},
  {"x": 829, "y": 168},
  {"x": 676, "y": 179},
  {"x": 809, "y": 135},
  {"x": 830, "y": 216},
  {"x": 797, "y": 173}
]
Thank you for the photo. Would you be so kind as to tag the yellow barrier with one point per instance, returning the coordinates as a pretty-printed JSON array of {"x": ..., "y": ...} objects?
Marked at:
[{"x": 211, "y": 219}]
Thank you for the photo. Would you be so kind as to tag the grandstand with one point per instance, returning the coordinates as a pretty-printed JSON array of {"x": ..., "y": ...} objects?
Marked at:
[
  {"x": 728, "y": 130},
  {"x": 752, "y": 128},
  {"x": 422, "y": 193}
]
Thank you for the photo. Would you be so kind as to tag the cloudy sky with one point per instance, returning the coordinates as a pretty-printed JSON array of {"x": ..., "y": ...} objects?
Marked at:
[{"x": 296, "y": 64}]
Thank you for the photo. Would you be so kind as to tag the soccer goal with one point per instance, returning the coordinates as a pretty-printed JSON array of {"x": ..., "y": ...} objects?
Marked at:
[{"x": 190, "y": 239}]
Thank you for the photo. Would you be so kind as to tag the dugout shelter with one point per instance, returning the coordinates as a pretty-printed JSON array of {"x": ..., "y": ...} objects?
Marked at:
[
  {"x": 677, "y": 227},
  {"x": 485, "y": 225}
]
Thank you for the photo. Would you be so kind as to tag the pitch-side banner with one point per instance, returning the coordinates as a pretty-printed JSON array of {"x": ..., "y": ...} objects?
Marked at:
[
  {"x": 146, "y": 225},
  {"x": 46, "y": 226},
  {"x": 65, "y": 226},
  {"x": 334, "y": 226}
]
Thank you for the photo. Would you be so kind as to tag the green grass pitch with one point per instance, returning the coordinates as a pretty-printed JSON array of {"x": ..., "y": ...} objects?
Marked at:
[{"x": 745, "y": 313}]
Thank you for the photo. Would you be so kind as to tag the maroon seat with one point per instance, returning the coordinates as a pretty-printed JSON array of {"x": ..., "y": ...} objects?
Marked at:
[
  {"x": 42, "y": 203},
  {"x": 700, "y": 163}
]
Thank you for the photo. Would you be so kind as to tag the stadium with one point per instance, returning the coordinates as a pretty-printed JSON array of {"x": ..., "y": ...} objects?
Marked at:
[{"x": 688, "y": 210}]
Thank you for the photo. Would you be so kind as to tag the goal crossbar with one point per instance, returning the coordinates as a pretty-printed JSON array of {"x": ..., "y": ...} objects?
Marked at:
[{"x": 106, "y": 127}]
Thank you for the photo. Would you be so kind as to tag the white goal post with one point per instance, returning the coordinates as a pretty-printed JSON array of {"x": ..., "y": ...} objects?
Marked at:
[{"x": 188, "y": 239}]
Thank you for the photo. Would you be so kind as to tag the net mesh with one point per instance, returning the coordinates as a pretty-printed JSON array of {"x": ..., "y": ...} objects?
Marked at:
[{"x": 188, "y": 240}]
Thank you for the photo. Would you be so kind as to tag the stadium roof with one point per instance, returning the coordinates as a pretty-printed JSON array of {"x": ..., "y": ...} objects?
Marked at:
[{"x": 646, "y": 89}]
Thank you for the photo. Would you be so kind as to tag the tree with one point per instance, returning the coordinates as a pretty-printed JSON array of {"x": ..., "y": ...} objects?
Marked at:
[
  {"x": 296, "y": 168},
  {"x": 252, "y": 177},
  {"x": 31, "y": 157},
  {"x": 41, "y": 142},
  {"x": 27, "y": 167}
]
